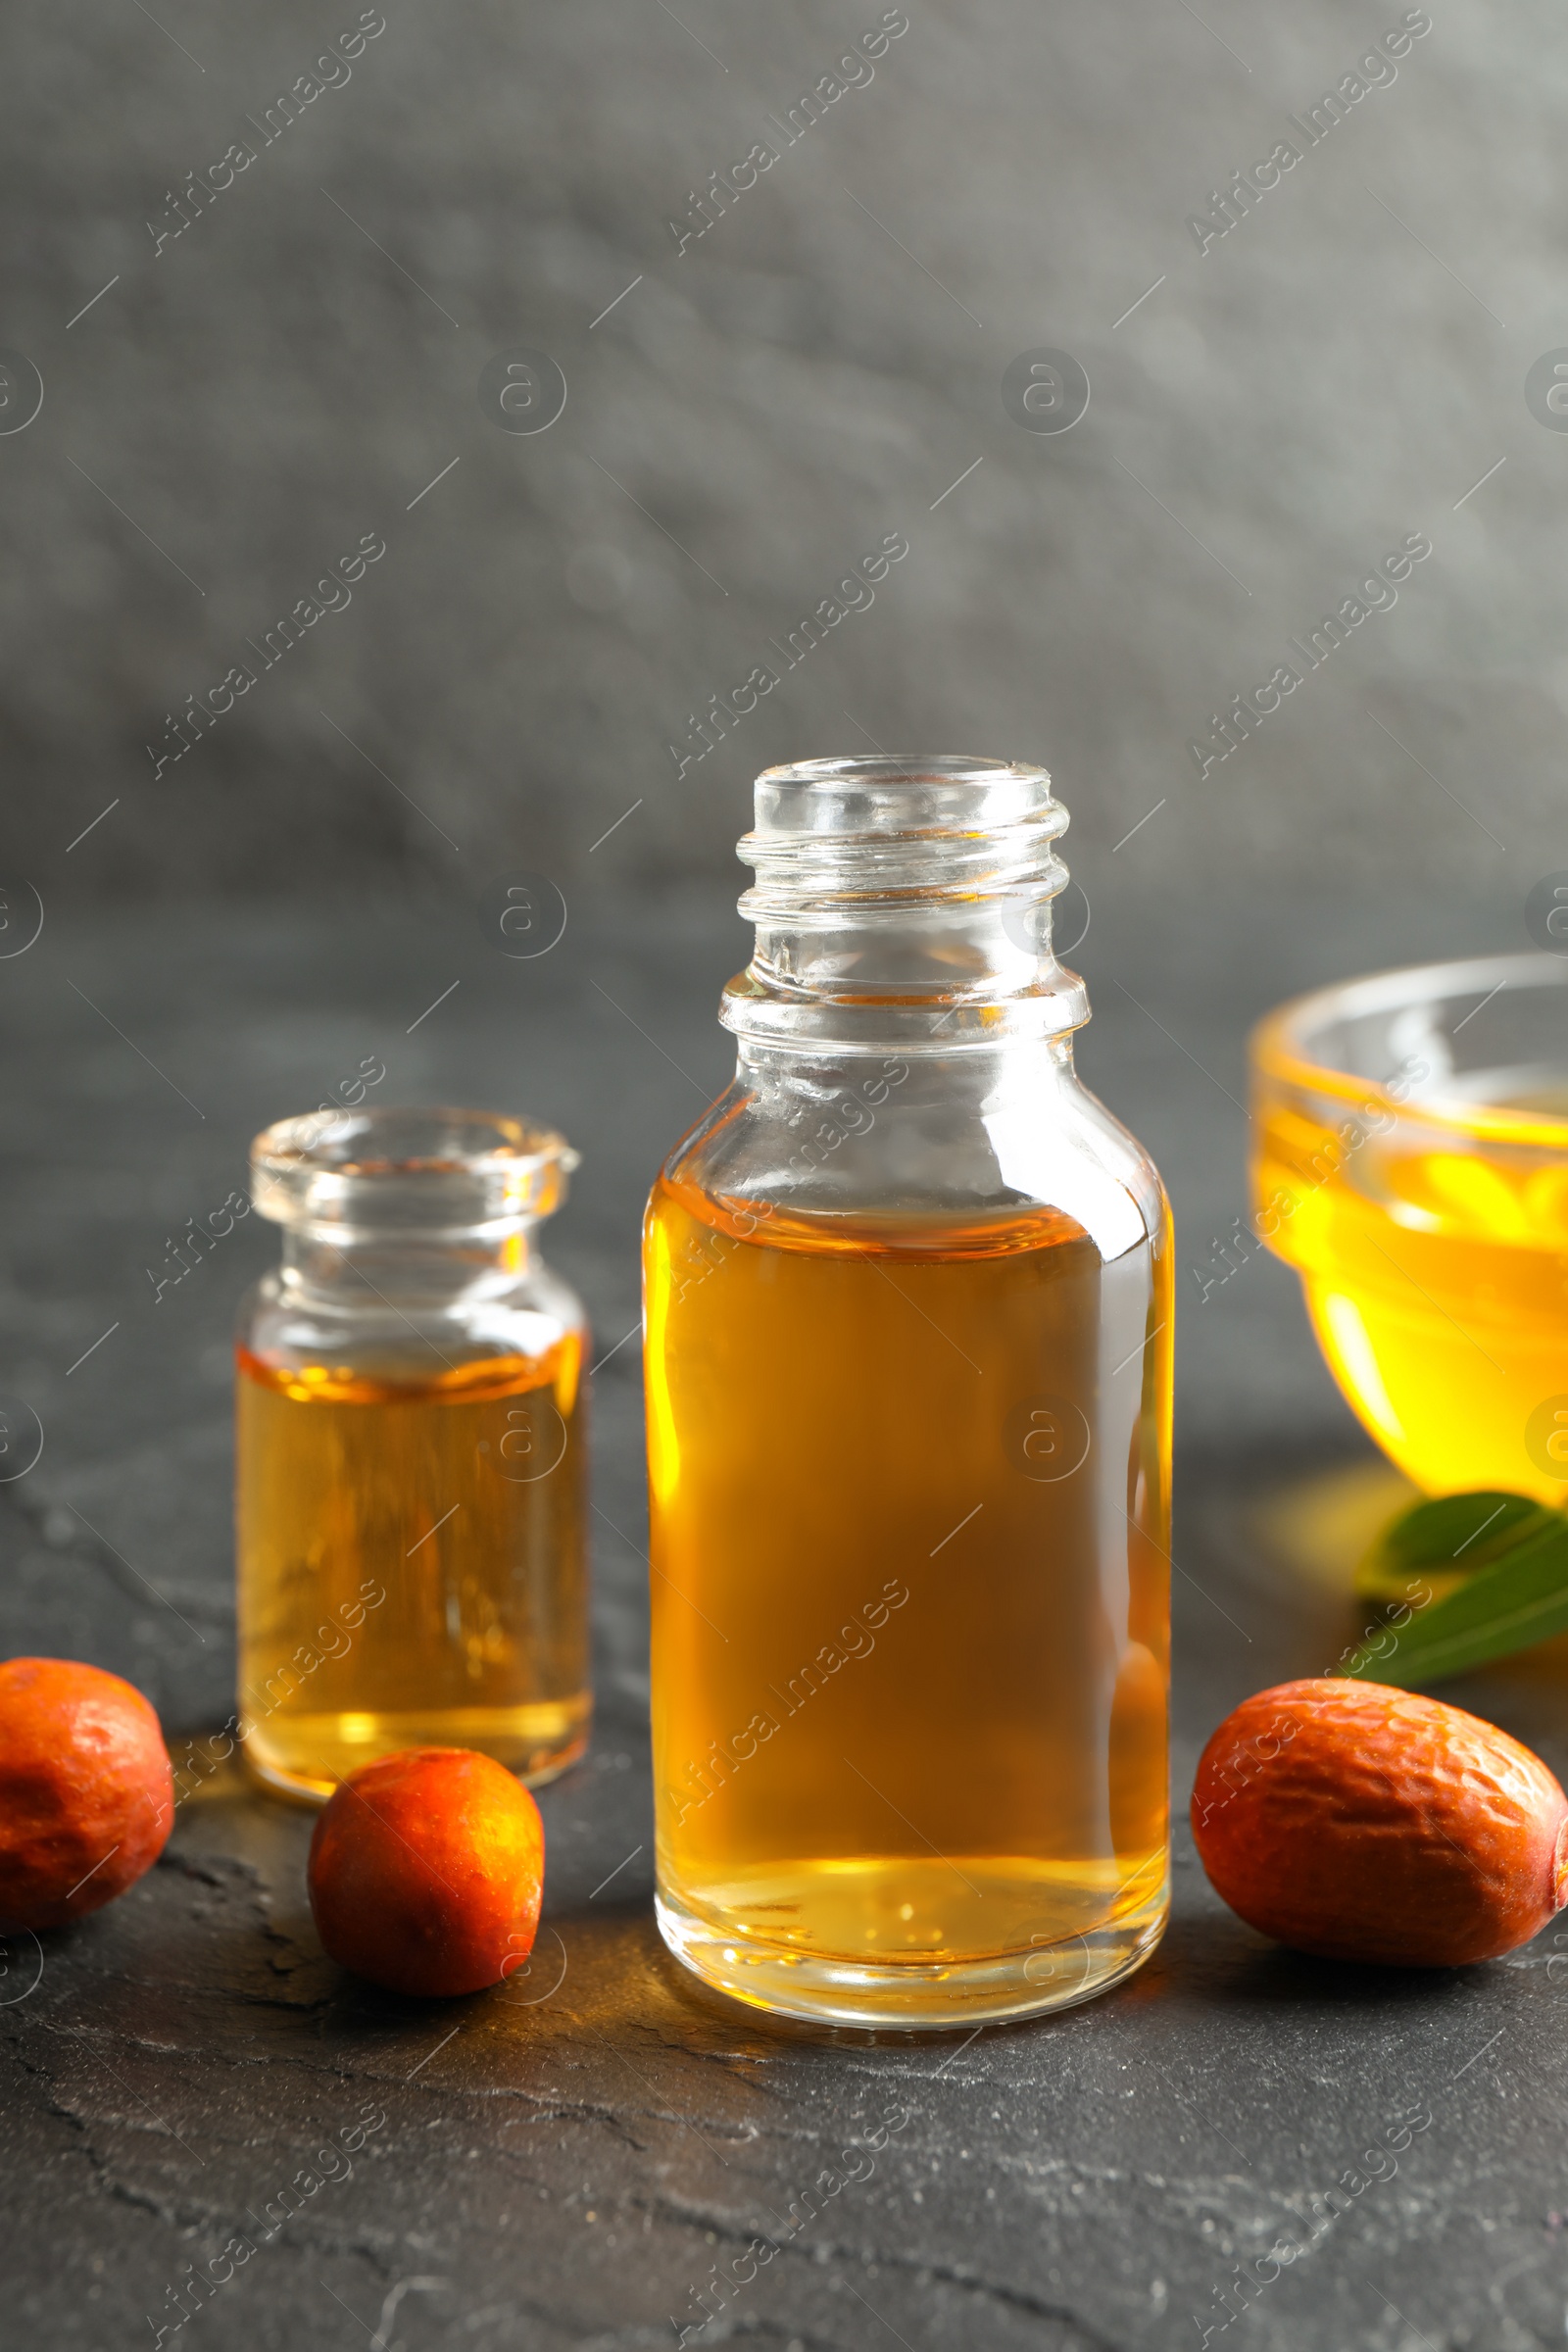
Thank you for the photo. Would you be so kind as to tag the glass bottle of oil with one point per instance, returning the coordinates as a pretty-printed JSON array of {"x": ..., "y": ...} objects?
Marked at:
[
  {"x": 909, "y": 1333},
  {"x": 410, "y": 1476}
]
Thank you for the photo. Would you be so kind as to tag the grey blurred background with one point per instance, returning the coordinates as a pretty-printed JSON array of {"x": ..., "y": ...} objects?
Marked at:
[
  {"x": 252, "y": 394},
  {"x": 230, "y": 409}
]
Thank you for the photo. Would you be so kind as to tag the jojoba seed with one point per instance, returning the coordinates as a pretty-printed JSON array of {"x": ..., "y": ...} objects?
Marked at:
[
  {"x": 426, "y": 1871},
  {"x": 1364, "y": 1823}
]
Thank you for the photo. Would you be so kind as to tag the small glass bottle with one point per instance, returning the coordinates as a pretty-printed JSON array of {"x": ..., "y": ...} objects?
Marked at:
[
  {"x": 410, "y": 1482},
  {"x": 908, "y": 1357}
]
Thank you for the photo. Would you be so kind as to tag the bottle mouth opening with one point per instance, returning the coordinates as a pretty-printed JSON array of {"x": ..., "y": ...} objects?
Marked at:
[
  {"x": 873, "y": 812},
  {"x": 924, "y": 770},
  {"x": 437, "y": 1173}
]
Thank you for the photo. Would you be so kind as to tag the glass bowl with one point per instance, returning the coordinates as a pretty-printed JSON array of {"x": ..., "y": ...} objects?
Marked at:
[{"x": 1411, "y": 1162}]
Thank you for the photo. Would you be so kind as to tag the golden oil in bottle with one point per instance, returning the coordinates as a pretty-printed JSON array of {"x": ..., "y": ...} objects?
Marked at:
[{"x": 411, "y": 1454}]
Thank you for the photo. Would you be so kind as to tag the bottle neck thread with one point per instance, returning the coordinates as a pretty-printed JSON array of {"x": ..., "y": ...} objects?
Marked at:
[{"x": 903, "y": 901}]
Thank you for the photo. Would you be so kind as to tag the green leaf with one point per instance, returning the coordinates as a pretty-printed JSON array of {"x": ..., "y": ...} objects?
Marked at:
[
  {"x": 1442, "y": 1541},
  {"x": 1518, "y": 1602}
]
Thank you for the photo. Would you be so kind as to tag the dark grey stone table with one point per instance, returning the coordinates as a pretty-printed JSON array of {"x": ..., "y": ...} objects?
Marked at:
[{"x": 567, "y": 2162}]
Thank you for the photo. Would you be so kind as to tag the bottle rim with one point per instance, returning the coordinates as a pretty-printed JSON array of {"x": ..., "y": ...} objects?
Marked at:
[
  {"x": 432, "y": 1172},
  {"x": 935, "y": 769}
]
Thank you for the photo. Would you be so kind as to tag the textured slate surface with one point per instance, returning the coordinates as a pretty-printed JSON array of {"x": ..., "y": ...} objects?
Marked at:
[{"x": 562, "y": 2163}]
